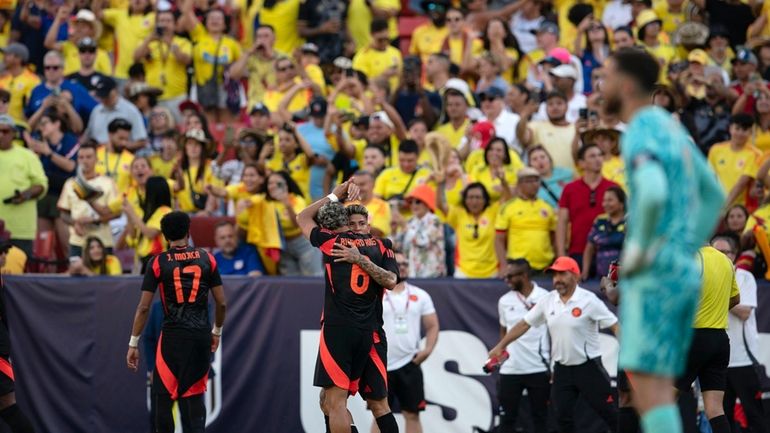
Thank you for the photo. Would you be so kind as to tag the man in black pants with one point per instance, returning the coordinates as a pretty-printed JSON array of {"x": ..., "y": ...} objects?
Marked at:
[
  {"x": 573, "y": 316},
  {"x": 185, "y": 276},
  {"x": 528, "y": 367},
  {"x": 742, "y": 380},
  {"x": 710, "y": 350},
  {"x": 9, "y": 411}
]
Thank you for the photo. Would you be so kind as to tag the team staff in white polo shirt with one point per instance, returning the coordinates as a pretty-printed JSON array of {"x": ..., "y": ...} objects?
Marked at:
[
  {"x": 528, "y": 366},
  {"x": 573, "y": 316},
  {"x": 405, "y": 311},
  {"x": 742, "y": 380}
]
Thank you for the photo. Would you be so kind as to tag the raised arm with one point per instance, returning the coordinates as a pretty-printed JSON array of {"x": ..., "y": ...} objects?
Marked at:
[
  {"x": 306, "y": 218},
  {"x": 188, "y": 20}
]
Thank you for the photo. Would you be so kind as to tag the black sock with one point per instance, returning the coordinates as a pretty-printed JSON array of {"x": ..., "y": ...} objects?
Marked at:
[
  {"x": 719, "y": 424},
  {"x": 326, "y": 421},
  {"x": 628, "y": 420},
  {"x": 387, "y": 423},
  {"x": 14, "y": 417}
]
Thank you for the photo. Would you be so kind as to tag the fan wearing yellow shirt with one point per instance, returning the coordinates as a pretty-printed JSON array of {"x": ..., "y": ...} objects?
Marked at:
[
  {"x": 132, "y": 25},
  {"x": 86, "y": 25},
  {"x": 379, "y": 59},
  {"x": 460, "y": 40},
  {"x": 165, "y": 57},
  {"x": 362, "y": 12},
  {"x": 194, "y": 174},
  {"x": 649, "y": 32},
  {"x": 213, "y": 52},
  {"x": 258, "y": 65},
  {"x": 498, "y": 172},
  {"x": 288, "y": 84},
  {"x": 395, "y": 183},
  {"x": 429, "y": 38},
  {"x": 736, "y": 161},
  {"x": 17, "y": 79},
  {"x": 456, "y": 109},
  {"x": 113, "y": 159},
  {"x": 282, "y": 15},
  {"x": 526, "y": 225},
  {"x": 143, "y": 233},
  {"x": 379, "y": 212},
  {"x": 474, "y": 225},
  {"x": 294, "y": 156},
  {"x": 240, "y": 193},
  {"x": 96, "y": 260}
]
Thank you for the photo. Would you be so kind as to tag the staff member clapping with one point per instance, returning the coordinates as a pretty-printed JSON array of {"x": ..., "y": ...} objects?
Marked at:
[{"x": 573, "y": 316}]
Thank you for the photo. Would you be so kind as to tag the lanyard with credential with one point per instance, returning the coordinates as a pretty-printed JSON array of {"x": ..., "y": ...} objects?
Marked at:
[
  {"x": 107, "y": 163},
  {"x": 528, "y": 305},
  {"x": 393, "y": 307}
]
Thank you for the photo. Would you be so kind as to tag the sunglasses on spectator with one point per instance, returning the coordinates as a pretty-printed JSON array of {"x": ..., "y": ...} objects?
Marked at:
[
  {"x": 87, "y": 50},
  {"x": 285, "y": 68},
  {"x": 52, "y": 67},
  {"x": 454, "y": 20}
]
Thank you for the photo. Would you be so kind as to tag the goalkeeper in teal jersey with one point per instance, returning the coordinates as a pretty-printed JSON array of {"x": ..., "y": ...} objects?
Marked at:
[{"x": 675, "y": 200}]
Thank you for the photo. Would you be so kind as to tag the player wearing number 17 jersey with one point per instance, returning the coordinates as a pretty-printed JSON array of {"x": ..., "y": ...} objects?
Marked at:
[{"x": 184, "y": 276}]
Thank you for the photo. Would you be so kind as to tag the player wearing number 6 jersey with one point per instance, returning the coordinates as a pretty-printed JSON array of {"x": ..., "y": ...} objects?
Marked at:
[
  {"x": 185, "y": 275},
  {"x": 351, "y": 315}
]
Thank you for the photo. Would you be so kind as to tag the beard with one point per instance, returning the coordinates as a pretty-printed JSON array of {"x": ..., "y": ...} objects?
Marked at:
[
  {"x": 438, "y": 21},
  {"x": 613, "y": 105}
]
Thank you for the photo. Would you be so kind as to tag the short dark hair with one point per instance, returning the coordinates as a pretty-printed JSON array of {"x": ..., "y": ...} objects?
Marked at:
[
  {"x": 223, "y": 224},
  {"x": 265, "y": 26},
  {"x": 374, "y": 146},
  {"x": 624, "y": 29},
  {"x": 357, "y": 209},
  {"x": 524, "y": 263},
  {"x": 118, "y": 124},
  {"x": 89, "y": 144},
  {"x": 175, "y": 225},
  {"x": 742, "y": 120},
  {"x": 409, "y": 146},
  {"x": 332, "y": 216},
  {"x": 556, "y": 94},
  {"x": 640, "y": 65},
  {"x": 378, "y": 25},
  {"x": 581, "y": 153},
  {"x": 366, "y": 172}
]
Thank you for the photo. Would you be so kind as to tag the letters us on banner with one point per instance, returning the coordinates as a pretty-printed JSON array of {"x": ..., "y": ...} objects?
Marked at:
[{"x": 69, "y": 344}]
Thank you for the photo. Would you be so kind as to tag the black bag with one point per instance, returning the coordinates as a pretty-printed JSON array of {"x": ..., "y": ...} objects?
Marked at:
[
  {"x": 199, "y": 200},
  {"x": 208, "y": 93},
  {"x": 759, "y": 369}
]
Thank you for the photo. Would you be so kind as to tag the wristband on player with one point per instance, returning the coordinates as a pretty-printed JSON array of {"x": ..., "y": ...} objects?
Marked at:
[
  {"x": 333, "y": 198},
  {"x": 134, "y": 341},
  {"x": 216, "y": 330}
]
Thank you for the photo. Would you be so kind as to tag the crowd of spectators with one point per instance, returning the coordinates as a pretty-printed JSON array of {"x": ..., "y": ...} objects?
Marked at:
[{"x": 475, "y": 130}]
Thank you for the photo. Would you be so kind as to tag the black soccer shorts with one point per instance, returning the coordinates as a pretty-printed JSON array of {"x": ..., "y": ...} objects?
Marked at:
[{"x": 342, "y": 355}]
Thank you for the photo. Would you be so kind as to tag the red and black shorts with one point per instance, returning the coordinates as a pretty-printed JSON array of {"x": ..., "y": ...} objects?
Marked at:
[
  {"x": 6, "y": 376},
  {"x": 182, "y": 364},
  {"x": 406, "y": 386},
  {"x": 342, "y": 355},
  {"x": 374, "y": 380}
]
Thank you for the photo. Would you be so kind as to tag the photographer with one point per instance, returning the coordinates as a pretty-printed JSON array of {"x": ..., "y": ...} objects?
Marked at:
[
  {"x": 165, "y": 57},
  {"x": 257, "y": 65}
]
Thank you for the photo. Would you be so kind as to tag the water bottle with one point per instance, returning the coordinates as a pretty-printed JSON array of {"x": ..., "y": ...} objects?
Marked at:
[{"x": 494, "y": 362}]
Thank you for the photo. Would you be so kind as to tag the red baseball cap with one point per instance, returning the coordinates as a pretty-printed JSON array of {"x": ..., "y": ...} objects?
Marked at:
[{"x": 565, "y": 264}]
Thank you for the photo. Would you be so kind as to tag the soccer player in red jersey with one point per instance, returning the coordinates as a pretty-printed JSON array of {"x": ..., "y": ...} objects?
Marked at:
[
  {"x": 9, "y": 411},
  {"x": 185, "y": 276},
  {"x": 353, "y": 293}
]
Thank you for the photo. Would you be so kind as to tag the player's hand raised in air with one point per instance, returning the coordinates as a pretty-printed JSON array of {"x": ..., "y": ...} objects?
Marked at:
[{"x": 132, "y": 359}]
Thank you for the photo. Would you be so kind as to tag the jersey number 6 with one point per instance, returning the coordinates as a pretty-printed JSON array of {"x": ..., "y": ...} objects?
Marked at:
[
  {"x": 191, "y": 269},
  {"x": 359, "y": 280}
]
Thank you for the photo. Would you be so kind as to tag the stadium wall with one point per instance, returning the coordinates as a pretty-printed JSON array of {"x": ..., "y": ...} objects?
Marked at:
[{"x": 69, "y": 339}]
